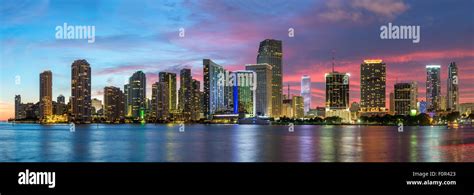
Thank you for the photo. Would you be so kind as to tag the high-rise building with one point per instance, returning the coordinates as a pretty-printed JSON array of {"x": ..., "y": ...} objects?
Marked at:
[
  {"x": 46, "y": 94},
  {"x": 337, "y": 96},
  {"x": 162, "y": 100},
  {"x": 80, "y": 91},
  {"x": 114, "y": 104},
  {"x": 154, "y": 101},
  {"x": 405, "y": 98},
  {"x": 270, "y": 51},
  {"x": 17, "y": 106},
  {"x": 213, "y": 91},
  {"x": 136, "y": 95},
  {"x": 59, "y": 108},
  {"x": 372, "y": 86},
  {"x": 337, "y": 90},
  {"x": 298, "y": 106},
  {"x": 170, "y": 79},
  {"x": 306, "y": 92},
  {"x": 185, "y": 93},
  {"x": 453, "y": 87},
  {"x": 433, "y": 87},
  {"x": 263, "y": 92},
  {"x": 244, "y": 96},
  {"x": 443, "y": 103},
  {"x": 287, "y": 106},
  {"x": 128, "y": 108},
  {"x": 196, "y": 103}
]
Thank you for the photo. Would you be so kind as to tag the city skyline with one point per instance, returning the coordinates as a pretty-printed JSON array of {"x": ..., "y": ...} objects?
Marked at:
[{"x": 23, "y": 55}]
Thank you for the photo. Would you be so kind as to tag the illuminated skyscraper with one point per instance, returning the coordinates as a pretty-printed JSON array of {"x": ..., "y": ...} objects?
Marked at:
[
  {"x": 453, "y": 87},
  {"x": 337, "y": 95},
  {"x": 114, "y": 104},
  {"x": 372, "y": 86},
  {"x": 306, "y": 92},
  {"x": 433, "y": 87},
  {"x": 185, "y": 93},
  {"x": 263, "y": 91},
  {"x": 298, "y": 106},
  {"x": 80, "y": 91},
  {"x": 196, "y": 103},
  {"x": 213, "y": 91},
  {"x": 337, "y": 90},
  {"x": 244, "y": 96},
  {"x": 136, "y": 95},
  {"x": 160, "y": 101},
  {"x": 405, "y": 98},
  {"x": 270, "y": 51},
  {"x": 46, "y": 94},
  {"x": 170, "y": 79}
]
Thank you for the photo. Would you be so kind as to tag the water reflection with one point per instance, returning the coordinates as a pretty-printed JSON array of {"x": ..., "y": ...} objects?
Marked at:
[{"x": 234, "y": 143}]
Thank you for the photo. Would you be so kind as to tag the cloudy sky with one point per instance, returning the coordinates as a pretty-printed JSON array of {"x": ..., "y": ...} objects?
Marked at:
[{"x": 144, "y": 35}]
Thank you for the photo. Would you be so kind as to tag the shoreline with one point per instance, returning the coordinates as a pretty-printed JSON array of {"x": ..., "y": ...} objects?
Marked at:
[{"x": 192, "y": 123}]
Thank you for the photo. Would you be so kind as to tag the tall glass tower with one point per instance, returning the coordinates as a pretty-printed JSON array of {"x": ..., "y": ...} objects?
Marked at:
[
  {"x": 270, "y": 51},
  {"x": 433, "y": 87},
  {"x": 306, "y": 92},
  {"x": 453, "y": 87}
]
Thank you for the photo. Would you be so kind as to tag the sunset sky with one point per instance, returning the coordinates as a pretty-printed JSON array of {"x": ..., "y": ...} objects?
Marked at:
[{"x": 144, "y": 35}]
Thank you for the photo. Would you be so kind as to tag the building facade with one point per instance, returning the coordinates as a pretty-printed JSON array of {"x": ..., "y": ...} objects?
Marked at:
[
  {"x": 306, "y": 92},
  {"x": 46, "y": 94},
  {"x": 263, "y": 93},
  {"x": 136, "y": 95},
  {"x": 405, "y": 98},
  {"x": 453, "y": 87},
  {"x": 433, "y": 87},
  {"x": 270, "y": 51},
  {"x": 114, "y": 104},
  {"x": 80, "y": 92},
  {"x": 372, "y": 86}
]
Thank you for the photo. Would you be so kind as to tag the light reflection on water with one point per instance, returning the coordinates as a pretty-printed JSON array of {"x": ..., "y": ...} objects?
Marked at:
[{"x": 233, "y": 143}]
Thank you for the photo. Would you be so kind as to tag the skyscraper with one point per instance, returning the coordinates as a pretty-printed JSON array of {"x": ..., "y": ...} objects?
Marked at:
[
  {"x": 136, "y": 95},
  {"x": 244, "y": 95},
  {"x": 60, "y": 107},
  {"x": 170, "y": 79},
  {"x": 161, "y": 96},
  {"x": 114, "y": 104},
  {"x": 337, "y": 90},
  {"x": 433, "y": 87},
  {"x": 453, "y": 87},
  {"x": 128, "y": 108},
  {"x": 372, "y": 86},
  {"x": 263, "y": 91},
  {"x": 185, "y": 93},
  {"x": 405, "y": 98},
  {"x": 213, "y": 91},
  {"x": 81, "y": 91},
  {"x": 196, "y": 103},
  {"x": 298, "y": 106},
  {"x": 46, "y": 94},
  {"x": 270, "y": 51},
  {"x": 337, "y": 96},
  {"x": 306, "y": 92},
  {"x": 17, "y": 106}
]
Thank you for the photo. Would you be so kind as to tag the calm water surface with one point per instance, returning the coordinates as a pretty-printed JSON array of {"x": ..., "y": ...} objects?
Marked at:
[{"x": 233, "y": 143}]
